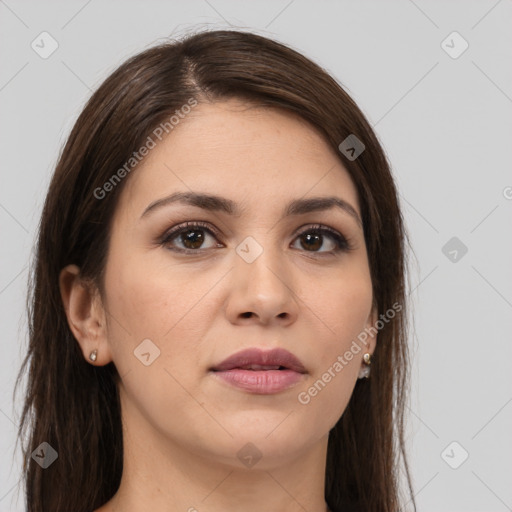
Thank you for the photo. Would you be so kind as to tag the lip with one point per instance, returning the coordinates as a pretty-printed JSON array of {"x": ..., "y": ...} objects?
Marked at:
[{"x": 261, "y": 381}]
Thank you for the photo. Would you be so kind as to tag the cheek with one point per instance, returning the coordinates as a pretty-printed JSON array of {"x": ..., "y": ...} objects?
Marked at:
[
  {"x": 343, "y": 307},
  {"x": 147, "y": 302},
  {"x": 149, "y": 299},
  {"x": 342, "y": 304}
]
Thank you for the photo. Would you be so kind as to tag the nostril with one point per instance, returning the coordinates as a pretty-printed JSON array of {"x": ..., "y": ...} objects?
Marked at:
[{"x": 247, "y": 314}]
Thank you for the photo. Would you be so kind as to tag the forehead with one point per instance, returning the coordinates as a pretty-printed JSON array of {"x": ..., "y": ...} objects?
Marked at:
[{"x": 236, "y": 149}]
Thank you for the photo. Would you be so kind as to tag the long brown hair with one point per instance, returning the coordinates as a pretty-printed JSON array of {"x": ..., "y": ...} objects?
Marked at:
[{"x": 74, "y": 406}]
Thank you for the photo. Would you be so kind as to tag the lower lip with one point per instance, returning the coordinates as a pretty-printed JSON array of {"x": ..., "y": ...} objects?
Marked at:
[{"x": 263, "y": 382}]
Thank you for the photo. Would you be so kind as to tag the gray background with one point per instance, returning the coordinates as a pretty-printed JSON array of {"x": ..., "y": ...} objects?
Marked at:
[{"x": 446, "y": 126}]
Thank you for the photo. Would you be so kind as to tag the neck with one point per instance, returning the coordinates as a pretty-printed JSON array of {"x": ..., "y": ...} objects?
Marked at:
[{"x": 163, "y": 475}]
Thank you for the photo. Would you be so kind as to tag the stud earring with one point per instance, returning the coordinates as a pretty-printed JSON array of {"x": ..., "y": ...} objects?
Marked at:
[
  {"x": 365, "y": 371},
  {"x": 93, "y": 355}
]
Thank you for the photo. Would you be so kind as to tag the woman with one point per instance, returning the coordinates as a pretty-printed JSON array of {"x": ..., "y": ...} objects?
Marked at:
[{"x": 220, "y": 264}]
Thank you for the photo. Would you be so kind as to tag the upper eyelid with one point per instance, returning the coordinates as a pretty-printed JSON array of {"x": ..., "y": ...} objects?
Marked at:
[{"x": 190, "y": 224}]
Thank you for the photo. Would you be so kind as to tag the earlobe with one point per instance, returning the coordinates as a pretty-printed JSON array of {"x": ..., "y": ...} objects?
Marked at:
[
  {"x": 370, "y": 341},
  {"x": 85, "y": 315}
]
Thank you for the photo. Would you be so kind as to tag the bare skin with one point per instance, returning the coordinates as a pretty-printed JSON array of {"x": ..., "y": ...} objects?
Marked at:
[{"x": 182, "y": 427}]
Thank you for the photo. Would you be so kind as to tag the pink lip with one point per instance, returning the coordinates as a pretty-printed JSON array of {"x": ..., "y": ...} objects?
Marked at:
[{"x": 264, "y": 381}]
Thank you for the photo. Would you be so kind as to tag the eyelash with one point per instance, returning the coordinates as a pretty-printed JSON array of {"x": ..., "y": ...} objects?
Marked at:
[{"x": 342, "y": 243}]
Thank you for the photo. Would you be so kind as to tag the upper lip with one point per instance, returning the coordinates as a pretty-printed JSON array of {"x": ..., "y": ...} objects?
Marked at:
[{"x": 256, "y": 356}]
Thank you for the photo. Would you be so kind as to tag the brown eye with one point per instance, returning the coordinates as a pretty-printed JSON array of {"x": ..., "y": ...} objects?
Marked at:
[
  {"x": 191, "y": 237},
  {"x": 311, "y": 241},
  {"x": 316, "y": 238}
]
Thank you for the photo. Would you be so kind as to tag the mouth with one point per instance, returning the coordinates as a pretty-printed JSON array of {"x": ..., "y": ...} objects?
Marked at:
[
  {"x": 257, "y": 367},
  {"x": 261, "y": 372}
]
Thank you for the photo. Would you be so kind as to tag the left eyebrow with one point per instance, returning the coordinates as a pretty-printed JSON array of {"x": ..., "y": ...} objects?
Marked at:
[
  {"x": 216, "y": 203},
  {"x": 315, "y": 204}
]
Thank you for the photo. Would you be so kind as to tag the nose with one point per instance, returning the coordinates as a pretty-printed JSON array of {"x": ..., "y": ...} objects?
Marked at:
[{"x": 262, "y": 292}]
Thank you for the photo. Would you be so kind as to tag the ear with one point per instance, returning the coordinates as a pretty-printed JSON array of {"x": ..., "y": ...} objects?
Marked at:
[
  {"x": 371, "y": 329},
  {"x": 85, "y": 314}
]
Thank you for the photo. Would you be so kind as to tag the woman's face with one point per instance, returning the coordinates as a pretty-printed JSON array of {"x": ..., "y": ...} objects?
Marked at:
[{"x": 253, "y": 274}]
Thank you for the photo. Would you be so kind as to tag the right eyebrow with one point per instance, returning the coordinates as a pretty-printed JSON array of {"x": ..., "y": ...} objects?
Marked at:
[{"x": 204, "y": 201}]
